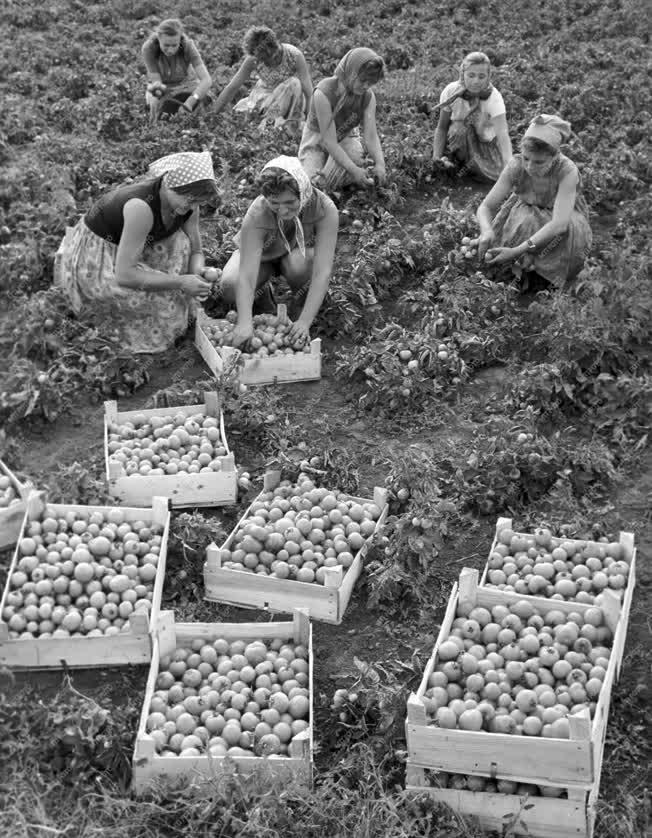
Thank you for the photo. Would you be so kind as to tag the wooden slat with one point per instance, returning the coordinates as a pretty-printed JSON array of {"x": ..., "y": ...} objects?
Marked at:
[
  {"x": 538, "y": 817},
  {"x": 544, "y": 762},
  {"x": 444, "y": 631}
]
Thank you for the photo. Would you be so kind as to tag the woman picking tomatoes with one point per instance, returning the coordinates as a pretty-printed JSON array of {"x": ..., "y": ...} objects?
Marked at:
[
  {"x": 284, "y": 87},
  {"x": 133, "y": 262},
  {"x": 176, "y": 75},
  {"x": 535, "y": 212},
  {"x": 331, "y": 151},
  {"x": 472, "y": 124},
  {"x": 289, "y": 230}
]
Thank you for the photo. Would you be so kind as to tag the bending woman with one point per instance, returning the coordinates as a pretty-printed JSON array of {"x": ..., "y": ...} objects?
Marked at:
[
  {"x": 289, "y": 230},
  {"x": 330, "y": 150},
  {"x": 133, "y": 262},
  {"x": 284, "y": 86},
  {"x": 473, "y": 126},
  {"x": 177, "y": 77},
  {"x": 535, "y": 211}
]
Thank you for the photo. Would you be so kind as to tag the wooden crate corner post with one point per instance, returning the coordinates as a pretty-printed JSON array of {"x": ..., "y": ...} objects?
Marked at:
[
  {"x": 160, "y": 509},
  {"x": 111, "y": 411},
  {"x": 213, "y": 557},
  {"x": 271, "y": 479},
  {"x": 468, "y": 587},
  {"x": 503, "y": 524},
  {"x": 212, "y": 404},
  {"x": 333, "y": 576},
  {"x": 416, "y": 711},
  {"x": 301, "y": 625}
]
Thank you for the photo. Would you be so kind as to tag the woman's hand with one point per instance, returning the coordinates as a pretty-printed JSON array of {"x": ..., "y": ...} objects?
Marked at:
[
  {"x": 442, "y": 164},
  {"x": 500, "y": 255},
  {"x": 361, "y": 178},
  {"x": 300, "y": 332},
  {"x": 380, "y": 173},
  {"x": 195, "y": 286},
  {"x": 484, "y": 242},
  {"x": 156, "y": 88}
]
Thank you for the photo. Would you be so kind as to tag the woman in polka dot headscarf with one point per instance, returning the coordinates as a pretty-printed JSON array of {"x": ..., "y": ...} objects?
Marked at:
[{"x": 134, "y": 262}]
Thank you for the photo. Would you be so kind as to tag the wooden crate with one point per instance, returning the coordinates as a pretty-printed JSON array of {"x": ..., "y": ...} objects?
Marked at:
[
  {"x": 626, "y": 539},
  {"x": 11, "y": 517},
  {"x": 149, "y": 768},
  {"x": 275, "y": 369},
  {"x": 215, "y": 488},
  {"x": 571, "y": 763},
  {"x": 536, "y": 817},
  {"x": 326, "y": 602},
  {"x": 127, "y": 647}
]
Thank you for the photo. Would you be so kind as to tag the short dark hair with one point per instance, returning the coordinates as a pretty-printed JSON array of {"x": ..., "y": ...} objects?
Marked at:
[
  {"x": 203, "y": 191},
  {"x": 273, "y": 181},
  {"x": 257, "y": 36},
  {"x": 537, "y": 146},
  {"x": 372, "y": 71}
]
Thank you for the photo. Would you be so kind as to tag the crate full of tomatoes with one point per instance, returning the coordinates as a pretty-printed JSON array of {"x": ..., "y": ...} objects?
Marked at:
[{"x": 270, "y": 356}]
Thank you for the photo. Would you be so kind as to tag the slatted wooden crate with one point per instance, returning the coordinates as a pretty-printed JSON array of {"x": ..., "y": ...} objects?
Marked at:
[
  {"x": 11, "y": 517},
  {"x": 128, "y": 647},
  {"x": 214, "y": 488},
  {"x": 571, "y": 763},
  {"x": 626, "y": 539},
  {"x": 536, "y": 817},
  {"x": 327, "y": 602},
  {"x": 274, "y": 369},
  {"x": 150, "y": 768}
]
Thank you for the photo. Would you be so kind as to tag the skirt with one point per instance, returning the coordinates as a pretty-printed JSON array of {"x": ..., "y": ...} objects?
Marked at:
[
  {"x": 142, "y": 321},
  {"x": 478, "y": 157},
  {"x": 316, "y": 161},
  {"x": 283, "y": 103},
  {"x": 562, "y": 258}
]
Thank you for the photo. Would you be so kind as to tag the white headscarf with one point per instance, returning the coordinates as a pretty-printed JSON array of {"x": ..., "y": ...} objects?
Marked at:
[{"x": 293, "y": 167}]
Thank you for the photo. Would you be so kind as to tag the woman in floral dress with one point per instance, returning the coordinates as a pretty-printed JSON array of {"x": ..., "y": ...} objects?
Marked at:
[{"x": 133, "y": 263}]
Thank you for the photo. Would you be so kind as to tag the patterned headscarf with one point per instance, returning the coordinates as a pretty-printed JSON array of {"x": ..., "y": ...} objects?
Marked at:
[
  {"x": 549, "y": 129},
  {"x": 184, "y": 168},
  {"x": 348, "y": 70},
  {"x": 293, "y": 167}
]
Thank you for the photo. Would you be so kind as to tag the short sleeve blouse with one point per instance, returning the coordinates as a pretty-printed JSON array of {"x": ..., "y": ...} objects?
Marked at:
[
  {"x": 271, "y": 77},
  {"x": 260, "y": 216},
  {"x": 348, "y": 116},
  {"x": 487, "y": 110},
  {"x": 173, "y": 69},
  {"x": 541, "y": 191}
]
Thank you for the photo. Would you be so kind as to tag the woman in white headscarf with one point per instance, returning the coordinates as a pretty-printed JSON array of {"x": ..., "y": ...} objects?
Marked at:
[
  {"x": 289, "y": 230},
  {"x": 535, "y": 213},
  {"x": 133, "y": 263},
  {"x": 472, "y": 124}
]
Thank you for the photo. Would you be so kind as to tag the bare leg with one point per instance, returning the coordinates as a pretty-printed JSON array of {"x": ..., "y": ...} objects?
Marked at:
[
  {"x": 231, "y": 276},
  {"x": 297, "y": 269}
]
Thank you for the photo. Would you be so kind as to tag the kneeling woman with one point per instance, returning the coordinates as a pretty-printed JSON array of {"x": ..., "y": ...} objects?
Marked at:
[
  {"x": 133, "y": 262},
  {"x": 535, "y": 211},
  {"x": 330, "y": 150},
  {"x": 283, "y": 89},
  {"x": 289, "y": 230},
  {"x": 472, "y": 124}
]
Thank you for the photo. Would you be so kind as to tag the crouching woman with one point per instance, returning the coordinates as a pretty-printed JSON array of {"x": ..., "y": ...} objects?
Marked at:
[
  {"x": 535, "y": 213},
  {"x": 133, "y": 263},
  {"x": 290, "y": 230}
]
